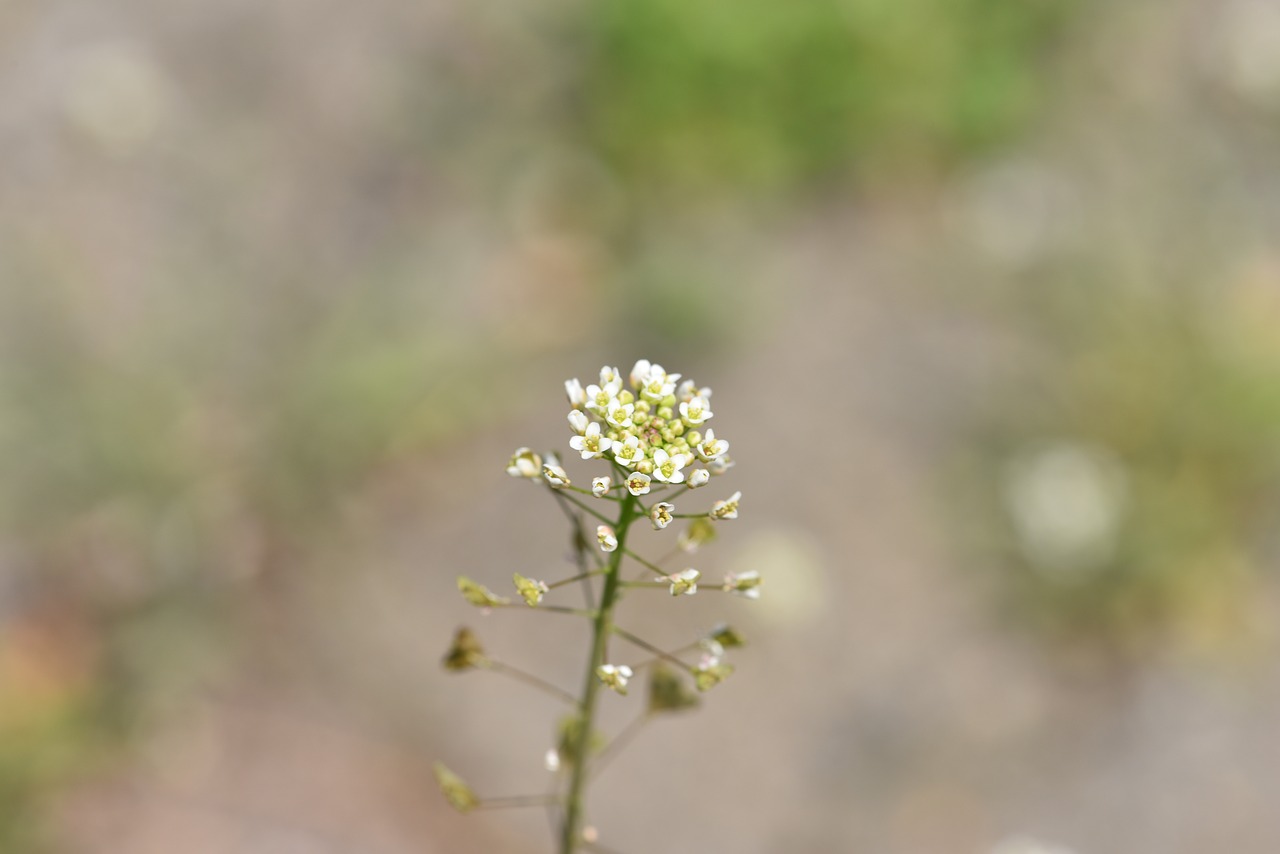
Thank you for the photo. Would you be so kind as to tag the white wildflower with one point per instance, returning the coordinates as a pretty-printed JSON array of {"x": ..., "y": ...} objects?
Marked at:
[
  {"x": 695, "y": 411},
  {"x": 524, "y": 463},
  {"x": 684, "y": 583},
  {"x": 727, "y": 509},
  {"x": 660, "y": 515},
  {"x": 615, "y": 676},
  {"x": 554, "y": 474},
  {"x": 600, "y": 486},
  {"x": 712, "y": 653},
  {"x": 628, "y": 452},
  {"x": 618, "y": 414},
  {"x": 720, "y": 465},
  {"x": 610, "y": 376},
  {"x": 743, "y": 583},
  {"x": 638, "y": 484},
  {"x": 578, "y": 421},
  {"x": 666, "y": 467},
  {"x": 598, "y": 397},
  {"x": 591, "y": 444},
  {"x": 658, "y": 384},
  {"x": 574, "y": 391},
  {"x": 698, "y": 477},
  {"x": 640, "y": 373},
  {"x": 607, "y": 539},
  {"x": 711, "y": 448}
]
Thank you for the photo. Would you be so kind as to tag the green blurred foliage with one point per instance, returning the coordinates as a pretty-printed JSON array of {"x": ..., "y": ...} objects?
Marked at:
[
  {"x": 684, "y": 100},
  {"x": 1182, "y": 393}
]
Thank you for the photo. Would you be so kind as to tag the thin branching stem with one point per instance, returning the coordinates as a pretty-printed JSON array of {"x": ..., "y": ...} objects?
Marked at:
[
  {"x": 644, "y": 644},
  {"x": 589, "y": 510},
  {"x": 550, "y": 609},
  {"x": 581, "y": 548},
  {"x": 531, "y": 680},
  {"x": 562, "y": 582},
  {"x": 621, "y": 740},
  {"x": 645, "y": 563},
  {"x": 515, "y": 801},
  {"x": 601, "y": 629}
]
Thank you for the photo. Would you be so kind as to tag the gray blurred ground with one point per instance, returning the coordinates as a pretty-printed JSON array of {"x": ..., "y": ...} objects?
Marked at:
[{"x": 239, "y": 188}]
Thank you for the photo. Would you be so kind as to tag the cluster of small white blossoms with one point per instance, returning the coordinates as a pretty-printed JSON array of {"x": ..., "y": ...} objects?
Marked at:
[{"x": 654, "y": 429}]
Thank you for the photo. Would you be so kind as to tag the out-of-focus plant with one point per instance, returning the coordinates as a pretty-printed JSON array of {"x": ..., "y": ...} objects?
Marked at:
[
  {"x": 1130, "y": 489},
  {"x": 648, "y": 435},
  {"x": 698, "y": 99}
]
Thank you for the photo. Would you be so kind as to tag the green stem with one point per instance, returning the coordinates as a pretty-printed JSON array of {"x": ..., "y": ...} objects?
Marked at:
[
  {"x": 601, "y": 629},
  {"x": 531, "y": 680}
]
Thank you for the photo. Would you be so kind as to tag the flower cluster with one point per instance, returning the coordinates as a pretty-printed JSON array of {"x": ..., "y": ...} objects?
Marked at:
[{"x": 650, "y": 425}]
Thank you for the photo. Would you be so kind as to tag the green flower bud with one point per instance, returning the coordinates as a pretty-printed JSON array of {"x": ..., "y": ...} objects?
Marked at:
[{"x": 666, "y": 412}]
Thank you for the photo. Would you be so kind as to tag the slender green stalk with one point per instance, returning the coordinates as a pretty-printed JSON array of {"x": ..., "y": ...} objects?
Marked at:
[
  {"x": 531, "y": 680},
  {"x": 601, "y": 629}
]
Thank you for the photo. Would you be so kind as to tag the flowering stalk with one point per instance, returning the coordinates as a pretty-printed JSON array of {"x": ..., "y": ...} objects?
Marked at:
[
  {"x": 601, "y": 628},
  {"x": 651, "y": 437}
]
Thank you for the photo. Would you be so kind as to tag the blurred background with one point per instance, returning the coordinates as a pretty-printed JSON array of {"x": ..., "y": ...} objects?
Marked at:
[{"x": 989, "y": 295}]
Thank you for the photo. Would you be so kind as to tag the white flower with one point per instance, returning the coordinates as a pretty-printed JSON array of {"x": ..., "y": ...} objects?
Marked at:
[
  {"x": 609, "y": 376},
  {"x": 720, "y": 465},
  {"x": 658, "y": 384},
  {"x": 573, "y": 389},
  {"x": 640, "y": 373},
  {"x": 524, "y": 463},
  {"x": 712, "y": 653},
  {"x": 666, "y": 467},
  {"x": 600, "y": 486},
  {"x": 628, "y": 452},
  {"x": 598, "y": 397},
  {"x": 615, "y": 676},
  {"x": 554, "y": 474},
  {"x": 552, "y": 760},
  {"x": 688, "y": 390},
  {"x": 695, "y": 411},
  {"x": 578, "y": 421},
  {"x": 727, "y": 509},
  {"x": 743, "y": 583},
  {"x": 638, "y": 483},
  {"x": 591, "y": 444},
  {"x": 684, "y": 583},
  {"x": 660, "y": 515},
  {"x": 711, "y": 448},
  {"x": 619, "y": 414},
  {"x": 605, "y": 536},
  {"x": 698, "y": 477}
]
